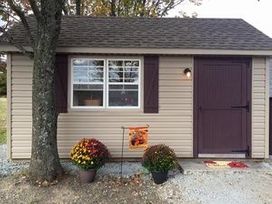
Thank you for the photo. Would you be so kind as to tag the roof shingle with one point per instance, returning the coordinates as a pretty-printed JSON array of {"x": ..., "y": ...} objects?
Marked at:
[{"x": 180, "y": 33}]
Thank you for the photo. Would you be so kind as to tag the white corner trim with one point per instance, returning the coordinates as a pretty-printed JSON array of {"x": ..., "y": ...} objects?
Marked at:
[
  {"x": 267, "y": 107},
  {"x": 9, "y": 154}
]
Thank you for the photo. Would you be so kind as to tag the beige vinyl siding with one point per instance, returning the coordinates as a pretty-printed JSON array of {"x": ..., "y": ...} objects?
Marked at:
[
  {"x": 260, "y": 107},
  {"x": 21, "y": 99},
  {"x": 172, "y": 126}
]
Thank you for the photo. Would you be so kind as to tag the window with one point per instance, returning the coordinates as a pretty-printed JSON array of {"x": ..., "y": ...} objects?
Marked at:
[
  {"x": 88, "y": 82},
  {"x": 123, "y": 83},
  {"x": 96, "y": 81}
]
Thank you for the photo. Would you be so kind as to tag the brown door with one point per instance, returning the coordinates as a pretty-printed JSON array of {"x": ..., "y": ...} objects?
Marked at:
[{"x": 222, "y": 105}]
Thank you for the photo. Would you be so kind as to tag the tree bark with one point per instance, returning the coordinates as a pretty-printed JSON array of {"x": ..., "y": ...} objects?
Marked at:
[
  {"x": 78, "y": 3},
  {"x": 45, "y": 163},
  {"x": 113, "y": 8}
]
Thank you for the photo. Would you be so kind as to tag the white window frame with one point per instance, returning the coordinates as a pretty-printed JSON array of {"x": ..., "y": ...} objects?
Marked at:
[
  {"x": 72, "y": 83},
  {"x": 105, "y": 84},
  {"x": 118, "y": 83}
]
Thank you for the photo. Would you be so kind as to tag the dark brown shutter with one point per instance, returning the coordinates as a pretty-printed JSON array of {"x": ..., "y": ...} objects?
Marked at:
[
  {"x": 151, "y": 84},
  {"x": 61, "y": 83}
]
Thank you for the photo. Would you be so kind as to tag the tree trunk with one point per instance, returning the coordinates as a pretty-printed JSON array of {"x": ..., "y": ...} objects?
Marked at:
[
  {"x": 113, "y": 8},
  {"x": 45, "y": 163},
  {"x": 78, "y": 3}
]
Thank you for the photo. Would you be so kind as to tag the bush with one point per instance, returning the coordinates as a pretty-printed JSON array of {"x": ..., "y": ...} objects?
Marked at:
[
  {"x": 89, "y": 154},
  {"x": 159, "y": 158}
]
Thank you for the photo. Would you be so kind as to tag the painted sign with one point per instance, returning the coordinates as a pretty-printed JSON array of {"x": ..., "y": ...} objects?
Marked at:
[{"x": 138, "y": 137}]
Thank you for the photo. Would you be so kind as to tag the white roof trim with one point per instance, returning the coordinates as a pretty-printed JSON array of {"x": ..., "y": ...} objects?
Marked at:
[{"x": 166, "y": 51}]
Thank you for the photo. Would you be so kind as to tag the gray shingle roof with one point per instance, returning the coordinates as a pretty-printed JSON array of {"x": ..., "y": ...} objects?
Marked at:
[{"x": 181, "y": 33}]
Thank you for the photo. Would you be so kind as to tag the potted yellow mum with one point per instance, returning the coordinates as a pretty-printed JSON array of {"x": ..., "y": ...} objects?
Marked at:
[{"x": 89, "y": 155}]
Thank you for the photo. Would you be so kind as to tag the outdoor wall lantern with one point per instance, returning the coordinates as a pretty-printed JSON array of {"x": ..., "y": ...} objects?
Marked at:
[{"x": 188, "y": 73}]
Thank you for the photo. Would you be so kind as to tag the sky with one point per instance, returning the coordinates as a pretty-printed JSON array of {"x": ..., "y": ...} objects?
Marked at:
[{"x": 257, "y": 13}]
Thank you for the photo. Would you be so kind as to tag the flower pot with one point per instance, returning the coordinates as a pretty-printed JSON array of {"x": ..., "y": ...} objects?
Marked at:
[
  {"x": 159, "y": 177},
  {"x": 87, "y": 176}
]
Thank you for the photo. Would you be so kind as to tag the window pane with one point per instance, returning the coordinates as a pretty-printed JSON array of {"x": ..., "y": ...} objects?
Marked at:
[
  {"x": 80, "y": 62},
  {"x": 96, "y": 63},
  {"x": 132, "y": 63},
  {"x": 95, "y": 75},
  {"x": 115, "y": 63},
  {"x": 131, "y": 77},
  {"x": 88, "y": 71},
  {"x": 131, "y": 69},
  {"x": 123, "y": 95},
  {"x": 123, "y": 87},
  {"x": 88, "y": 87},
  {"x": 116, "y": 76},
  {"x": 88, "y": 98},
  {"x": 80, "y": 74},
  {"x": 88, "y": 78}
]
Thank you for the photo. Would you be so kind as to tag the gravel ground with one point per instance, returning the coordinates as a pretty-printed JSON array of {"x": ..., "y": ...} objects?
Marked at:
[
  {"x": 3, "y": 152},
  {"x": 198, "y": 185},
  {"x": 110, "y": 169},
  {"x": 219, "y": 187},
  {"x": 16, "y": 189},
  {"x": 8, "y": 167}
]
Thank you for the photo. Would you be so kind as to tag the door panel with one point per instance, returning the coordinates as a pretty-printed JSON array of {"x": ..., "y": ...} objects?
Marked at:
[{"x": 222, "y": 115}]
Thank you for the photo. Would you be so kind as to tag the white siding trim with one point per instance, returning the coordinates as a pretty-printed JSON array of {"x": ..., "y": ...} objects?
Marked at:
[
  {"x": 270, "y": 76},
  {"x": 267, "y": 108},
  {"x": 166, "y": 51},
  {"x": 9, "y": 102},
  {"x": 260, "y": 110}
]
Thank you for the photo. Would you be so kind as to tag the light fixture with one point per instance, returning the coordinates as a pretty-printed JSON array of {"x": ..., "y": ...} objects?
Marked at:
[{"x": 187, "y": 72}]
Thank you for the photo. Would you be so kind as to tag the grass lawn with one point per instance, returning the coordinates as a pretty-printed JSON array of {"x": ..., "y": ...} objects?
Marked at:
[{"x": 3, "y": 116}]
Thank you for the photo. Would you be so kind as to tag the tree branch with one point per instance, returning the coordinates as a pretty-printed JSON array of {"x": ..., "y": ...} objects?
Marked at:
[
  {"x": 170, "y": 6},
  {"x": 113, "y": 8},
  {"x": 78, "y": 4},
  {"x": 22, "y": 16},
  {"x": 64, "y": 8},
  {"x": 35, "y": 9},
  {"x": 10, "y": 15}
]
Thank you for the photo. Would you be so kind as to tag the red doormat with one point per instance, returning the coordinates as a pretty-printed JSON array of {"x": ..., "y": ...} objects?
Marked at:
[{"x": 225, "y": 164}]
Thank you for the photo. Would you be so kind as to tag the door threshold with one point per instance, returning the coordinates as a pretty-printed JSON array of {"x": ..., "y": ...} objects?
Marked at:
[{"x": 233, "y": 156}]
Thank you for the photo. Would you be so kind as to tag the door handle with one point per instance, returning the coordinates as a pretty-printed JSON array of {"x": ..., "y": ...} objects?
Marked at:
[{"x": 245, "y": 106}]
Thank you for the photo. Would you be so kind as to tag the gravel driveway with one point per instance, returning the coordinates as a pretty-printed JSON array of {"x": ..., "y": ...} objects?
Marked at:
[
  {"x": 219, "y": 187},
  {"x": 198, "y": 185}
]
